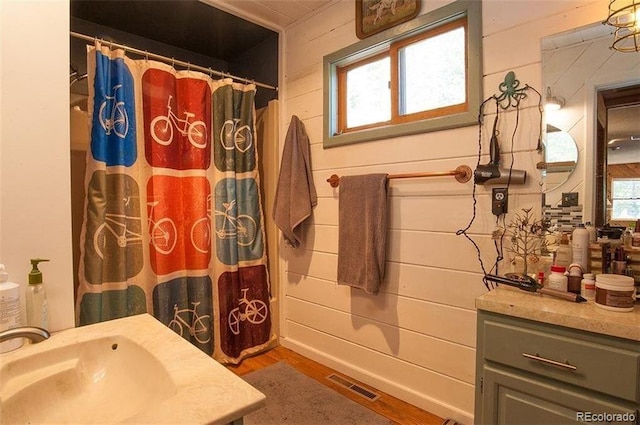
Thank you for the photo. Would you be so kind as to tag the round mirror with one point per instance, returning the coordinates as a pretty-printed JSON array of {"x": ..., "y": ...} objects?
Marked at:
[{"x": 560, "y": 157}]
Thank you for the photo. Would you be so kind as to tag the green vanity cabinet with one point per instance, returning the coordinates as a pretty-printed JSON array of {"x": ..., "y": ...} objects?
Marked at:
[{"x": 529, "y": 372}]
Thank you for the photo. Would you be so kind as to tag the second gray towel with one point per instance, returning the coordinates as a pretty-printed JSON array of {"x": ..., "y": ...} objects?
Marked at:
[
  {"x": 362, "y": 231},
  {"x": 295, "y": 193}
]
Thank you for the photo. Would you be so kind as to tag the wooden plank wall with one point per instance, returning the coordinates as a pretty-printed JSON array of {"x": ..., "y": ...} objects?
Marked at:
[{"x": 416, "y": 339}]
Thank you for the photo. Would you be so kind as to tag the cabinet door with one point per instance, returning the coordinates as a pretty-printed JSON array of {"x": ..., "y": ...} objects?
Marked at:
[{"x": 513, "y": 399}]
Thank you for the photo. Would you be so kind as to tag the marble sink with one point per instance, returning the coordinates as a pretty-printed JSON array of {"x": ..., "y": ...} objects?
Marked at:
[{"x": 130, "y": 370}]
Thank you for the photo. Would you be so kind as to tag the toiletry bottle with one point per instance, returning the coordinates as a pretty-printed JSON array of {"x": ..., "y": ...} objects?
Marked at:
[
  {"x": 10, "y": 313},
  {"x": 37, "y": 310},
  {"x": 635, "y": 237},
  {"x": 619, "y": 261},
  {"x": 588, "y": 286},
  {"x": 563, "y": 253},
  {"x": 580, "y": 246},
  {"x": 627, "y": 238},
  {"x": 557, "y": 279},
  {"x": 593, "y": 233}
]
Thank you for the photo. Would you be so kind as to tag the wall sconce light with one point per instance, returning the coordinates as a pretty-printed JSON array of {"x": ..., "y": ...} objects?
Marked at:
[
  {"x": 552, "y": 103},
  {"x": 624, "y": 16}
]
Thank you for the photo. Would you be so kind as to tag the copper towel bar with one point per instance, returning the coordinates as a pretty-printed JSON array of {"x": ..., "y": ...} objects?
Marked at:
[{"x": 462, "y": 174}]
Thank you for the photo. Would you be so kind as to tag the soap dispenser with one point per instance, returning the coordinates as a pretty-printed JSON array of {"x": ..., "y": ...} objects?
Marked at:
[
  {"x": 37, "y": 309},
  {"x": 10, "y": 310}
]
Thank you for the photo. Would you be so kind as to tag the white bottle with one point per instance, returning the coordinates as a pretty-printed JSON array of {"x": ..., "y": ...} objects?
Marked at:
[
  {"x": 580, "y": 246},
  {"x": 563, "y": 256},
  {"x": 588, "y": 286},
  {"x": 557, "y": 279},
  {"x": 10, "y": 313},
  {"x": 37, "y": 309}
]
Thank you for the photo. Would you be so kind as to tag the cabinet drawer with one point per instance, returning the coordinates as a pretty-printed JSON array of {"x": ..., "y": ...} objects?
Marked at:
[
  {"x": 514, "y": 399},
  {"x": 587, "y": 364}
]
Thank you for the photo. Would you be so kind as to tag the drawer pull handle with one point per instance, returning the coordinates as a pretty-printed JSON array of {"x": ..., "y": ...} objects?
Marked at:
[{"x": 549, "y": 361}]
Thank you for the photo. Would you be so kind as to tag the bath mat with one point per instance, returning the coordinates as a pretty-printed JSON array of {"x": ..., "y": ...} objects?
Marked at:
[{"x": 294, "y": 398}]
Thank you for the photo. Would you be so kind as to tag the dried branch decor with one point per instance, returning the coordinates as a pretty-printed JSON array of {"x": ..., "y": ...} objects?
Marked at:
[{"x": 528, "y": 238}]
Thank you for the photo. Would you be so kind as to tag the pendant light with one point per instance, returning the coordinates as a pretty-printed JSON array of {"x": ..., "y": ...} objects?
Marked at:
[{"x": 624, "y": 16}]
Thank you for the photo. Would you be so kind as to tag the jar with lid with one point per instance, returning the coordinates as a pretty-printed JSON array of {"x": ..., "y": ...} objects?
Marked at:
[
  {"x": 615, "y": 292},
  {"x": 574, "y": 278},
  {"x": 557, "y": 279}
]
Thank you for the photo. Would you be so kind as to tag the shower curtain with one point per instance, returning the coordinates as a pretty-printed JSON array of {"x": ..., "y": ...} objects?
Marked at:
[{"x": 173, "y": 220}]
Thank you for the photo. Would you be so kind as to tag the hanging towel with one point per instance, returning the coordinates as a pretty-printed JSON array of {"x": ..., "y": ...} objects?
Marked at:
[
  {"x": 295, "y": 193},
  {"x": 362, "y": 231}
]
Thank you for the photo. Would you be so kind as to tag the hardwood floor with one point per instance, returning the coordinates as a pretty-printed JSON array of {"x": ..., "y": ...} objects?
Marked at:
[{"x": 390, "y": 407}]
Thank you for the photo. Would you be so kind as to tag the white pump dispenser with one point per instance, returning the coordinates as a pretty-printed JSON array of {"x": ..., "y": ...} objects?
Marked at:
[{"x": 10, "y": 310}]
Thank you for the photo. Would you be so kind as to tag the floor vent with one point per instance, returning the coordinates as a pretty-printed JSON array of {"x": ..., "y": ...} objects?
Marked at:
[{"x": 341, "y": 380}]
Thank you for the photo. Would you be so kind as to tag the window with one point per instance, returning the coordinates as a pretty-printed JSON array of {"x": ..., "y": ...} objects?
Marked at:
[
  {"x": 625, "y": 199},
  {"x": 426, "y": 78}
]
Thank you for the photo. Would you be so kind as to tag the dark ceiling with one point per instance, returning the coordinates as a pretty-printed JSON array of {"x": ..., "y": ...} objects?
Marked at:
[{"x": 188, "y": 24}]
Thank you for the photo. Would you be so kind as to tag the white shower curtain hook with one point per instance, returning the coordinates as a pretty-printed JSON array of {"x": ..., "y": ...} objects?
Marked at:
[
  {"x": 173, "y": 62},
  {"x": 188, "y": 66},
  {"x": 146, "y": 56},
  {"x": 210, "y": 72}
]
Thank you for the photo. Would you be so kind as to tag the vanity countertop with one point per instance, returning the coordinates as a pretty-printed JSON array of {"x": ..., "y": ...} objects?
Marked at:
[{"x": 542, "y": 308}]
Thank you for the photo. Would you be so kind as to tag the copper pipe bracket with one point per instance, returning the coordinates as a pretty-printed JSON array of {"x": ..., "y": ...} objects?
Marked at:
[
  {"x": 463, "y": 173},
  {"x": 334, "y": 180}
]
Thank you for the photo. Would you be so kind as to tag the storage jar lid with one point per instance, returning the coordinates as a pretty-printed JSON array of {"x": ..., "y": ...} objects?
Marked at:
[
  {"x": 615, "y": 280},
  {"x": 575, "y": 269}
]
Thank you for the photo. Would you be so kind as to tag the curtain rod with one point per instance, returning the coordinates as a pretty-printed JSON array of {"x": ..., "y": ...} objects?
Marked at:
[
  {"x": 462, "y": 174},
  {"x": 171, "y": 60}
]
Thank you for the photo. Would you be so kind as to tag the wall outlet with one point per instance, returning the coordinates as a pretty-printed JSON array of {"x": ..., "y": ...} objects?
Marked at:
[
  {"x": 499, "y": 198},
  {"x": 570, "y": 199}
]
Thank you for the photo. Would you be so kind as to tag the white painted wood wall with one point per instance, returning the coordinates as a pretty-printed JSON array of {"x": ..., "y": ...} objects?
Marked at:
[{"x": 416, "y": 339}]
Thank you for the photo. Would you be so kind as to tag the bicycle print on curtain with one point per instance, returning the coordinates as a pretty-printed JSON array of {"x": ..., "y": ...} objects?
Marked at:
[{"x": 173, "y": 217}]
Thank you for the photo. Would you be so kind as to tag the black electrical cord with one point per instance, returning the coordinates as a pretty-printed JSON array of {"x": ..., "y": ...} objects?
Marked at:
[
  {"x": 539, "y": 145},
  {"x": 463, "y": 232},
  {"x": 499, "y": 247}
]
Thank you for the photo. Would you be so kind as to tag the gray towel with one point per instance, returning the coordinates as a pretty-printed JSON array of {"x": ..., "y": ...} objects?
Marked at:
[
  {"x": 362, "y": 231},
  {"x": 295, "y": 193}
]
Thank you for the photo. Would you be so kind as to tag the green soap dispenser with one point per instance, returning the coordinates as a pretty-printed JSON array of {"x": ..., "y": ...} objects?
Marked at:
[{"x": 37, "y": 309}]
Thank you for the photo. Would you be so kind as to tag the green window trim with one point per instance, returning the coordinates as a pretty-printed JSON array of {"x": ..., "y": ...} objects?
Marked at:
[{"x": 472, "y": 9}]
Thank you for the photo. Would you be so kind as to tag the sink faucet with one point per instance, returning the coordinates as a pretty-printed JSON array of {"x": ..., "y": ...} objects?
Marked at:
[{"x": 33, "y": 333}]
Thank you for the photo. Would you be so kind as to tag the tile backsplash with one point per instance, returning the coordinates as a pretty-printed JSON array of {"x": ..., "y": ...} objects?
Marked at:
[{"x": 565, "y": 217}]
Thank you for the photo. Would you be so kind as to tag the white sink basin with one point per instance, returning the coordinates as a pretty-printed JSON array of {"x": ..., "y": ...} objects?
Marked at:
[{"x": 131, "y": 370}]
